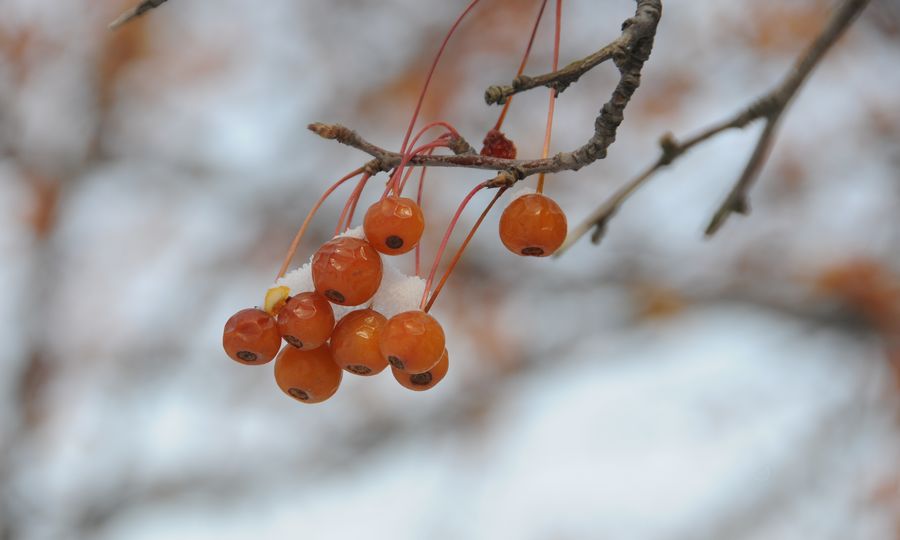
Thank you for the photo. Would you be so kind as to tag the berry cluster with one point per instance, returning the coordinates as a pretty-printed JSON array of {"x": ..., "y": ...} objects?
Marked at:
[
  {"x": 351, "y": 310},
  {"x": 318, "y": 346}
]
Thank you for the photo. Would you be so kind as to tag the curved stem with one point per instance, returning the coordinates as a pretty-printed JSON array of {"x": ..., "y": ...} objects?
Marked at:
[
  {"x": 462, "y": 247},
  {"x": 351, "y": 203},
  {"x": 398, "y": 171},
  {"x": 440, "y": 252},
  {"x": 421, "y": 177},
  {"x": 302, "y": 230},
  {"x": 524, "y": 62},
  {"x": 434, "y": 64}
]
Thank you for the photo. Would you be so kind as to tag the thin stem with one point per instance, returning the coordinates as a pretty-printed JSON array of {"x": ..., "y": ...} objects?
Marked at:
[
  {"x": 549, "y": 131},
  {"x": 406, "y": 157},
  {"x": 419, "y": 194},
  {"x": 353, "y": 206},
  {"x": 440, "y": 252},
  {"x": 300, "y": 232},
  {"x": 524, "y": 62},
  {"x": 462, "y": 247},
  {"x": 434, "y": 64},
  {"x": 410, "y": 171},
  {"x": 351, "y": 203},
  {"x": 425, "y": 149}
]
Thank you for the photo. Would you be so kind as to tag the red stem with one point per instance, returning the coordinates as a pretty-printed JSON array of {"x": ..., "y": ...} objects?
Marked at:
[
  {"x": 419, "y": 193},
  {"x": 437, "y": 258},
  {"x": 434, "y": 64},
  {"x": 522, "y": 65},
  {"x": 549, "y": 130},
  {"x": 351, "y": 202},
  {"x": 408, "y": 156},
  {"x": 459, "y": 252},
  {"x": 300, "y": 232}
]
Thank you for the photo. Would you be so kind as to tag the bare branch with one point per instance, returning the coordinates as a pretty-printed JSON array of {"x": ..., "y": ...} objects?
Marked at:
[
  {"x": 769, "y": 107},
  {"x": 634, "y": 30},
  {"x": 635, "y": 46},
  {"x": 134, "y": 12}
]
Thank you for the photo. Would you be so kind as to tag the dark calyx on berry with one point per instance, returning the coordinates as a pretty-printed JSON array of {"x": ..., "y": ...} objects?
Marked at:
[
  {"x": 394, "y": 242},
  {"x": 396, "y": 362},
  {"x": 294, "y": 341},
  {"x": 335, "y": 296},
  {"x": 421, "y": 379},
  {"x": 533, "y": 251},
  {"x": 359, "y": 370},
  {"x": 247, "y": 356},
  {"x": 299, "y": 394}
]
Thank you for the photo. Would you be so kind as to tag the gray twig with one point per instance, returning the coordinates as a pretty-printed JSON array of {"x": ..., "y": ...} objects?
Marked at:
[
  {"x": 769, "y": 107},
  {"x": 135, "y": 11},
  {"x": 630, "y": 50}
]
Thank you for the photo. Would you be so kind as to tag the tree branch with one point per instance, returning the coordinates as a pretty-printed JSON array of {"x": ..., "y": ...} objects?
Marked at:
[
  {"x": 769, "y": 107},
  {"x": 634, "y": 30},
  {"x": 631, "y": 50},
  {"x": 134, "y": 12}
]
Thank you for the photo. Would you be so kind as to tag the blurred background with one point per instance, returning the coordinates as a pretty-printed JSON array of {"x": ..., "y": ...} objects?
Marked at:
[{"x": 657, "y": 386}]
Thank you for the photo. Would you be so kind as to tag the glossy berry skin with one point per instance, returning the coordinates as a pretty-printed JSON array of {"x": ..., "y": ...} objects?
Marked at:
[
  {"x": 306, "y": 320},
  {"x": 533, "y": 225},
  {"x": 354, "y": 342},
  {"x": 307, "y": 376},
  {"x": 412, "y": 341},
  {"x": 394, "y": 225},
  {"x": 347, "y": 271},
  {"x": 251, "y": 337},
  {"x": 423, "y": 381}
]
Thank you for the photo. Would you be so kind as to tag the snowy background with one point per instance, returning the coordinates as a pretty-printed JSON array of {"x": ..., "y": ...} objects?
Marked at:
[{"x": 658, "y": 386}]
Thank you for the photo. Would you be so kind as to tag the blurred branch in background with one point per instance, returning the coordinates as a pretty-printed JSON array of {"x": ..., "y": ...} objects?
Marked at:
[
  {"x": 768, "y": 107},
  {"x": 135, "y": 12},
  {"x": 742, "y": 384}
]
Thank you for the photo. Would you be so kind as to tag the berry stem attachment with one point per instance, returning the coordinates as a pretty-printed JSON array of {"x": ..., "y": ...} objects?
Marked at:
[
  {"x": 302, "y": 230},
  {"x": 443, "y": 138},
  {"x": 350, "y": 205},
  {"x": 522, "y": 65},
  {"x": 462, "y": 247},
  {"x": 443, "y": 247},
  {"x": 546, "y": 151}
]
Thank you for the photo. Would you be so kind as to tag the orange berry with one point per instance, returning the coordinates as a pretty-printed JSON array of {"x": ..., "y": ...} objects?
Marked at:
[
  {"x": 347, "y": 271},
  {"x": 251, "y": 337},
  {"x": 497, "y": 145},
  {"x": 423, "y": 381},
  {"x": 412, "y": 341},
  {"x": 394, "y": 225},
  {"x": 309, "y": 376},
  {"x": 306, "y": 320},
  {"x": 533, "y": 225},
  {"x": 354, "y": 342}
]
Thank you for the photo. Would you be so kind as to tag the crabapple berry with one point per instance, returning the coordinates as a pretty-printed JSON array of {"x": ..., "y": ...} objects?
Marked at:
[
  {"x": 251, "y": 337},
  {"x": 354, "y": 342},
  {"x": 533, "y": 225},
  {"x": 394, "y": 225},
  {"x": 306, "y": 320},
  {"x": 347, "y": 271},
  {"x": 412, "y": 341},
  {"x": 423, "y": 381},
  {"x": 309, "y": 376}
]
